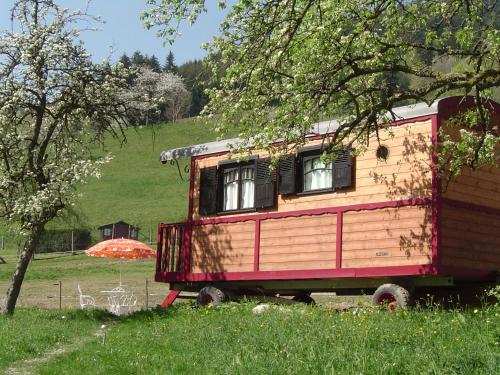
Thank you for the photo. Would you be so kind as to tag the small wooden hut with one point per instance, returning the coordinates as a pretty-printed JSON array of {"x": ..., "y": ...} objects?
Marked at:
[{"x": 120, "y": 229}]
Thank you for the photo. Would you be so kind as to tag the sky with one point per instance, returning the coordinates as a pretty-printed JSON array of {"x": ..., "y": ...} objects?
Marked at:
[{"x": 122, "y": 31}]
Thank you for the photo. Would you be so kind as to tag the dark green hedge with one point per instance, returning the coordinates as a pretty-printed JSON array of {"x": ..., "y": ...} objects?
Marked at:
[{"x": 56, "y": 240}]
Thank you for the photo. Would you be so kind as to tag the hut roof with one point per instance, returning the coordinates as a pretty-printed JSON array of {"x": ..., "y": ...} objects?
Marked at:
[{"x": 118, "y": 222}]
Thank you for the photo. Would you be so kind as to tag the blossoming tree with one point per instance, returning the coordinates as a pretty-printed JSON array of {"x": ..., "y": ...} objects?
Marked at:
[
  {"x": 161, "y": 95},
  {"x": 290, "y": 63},
  {"x": 54, "y": 103}
]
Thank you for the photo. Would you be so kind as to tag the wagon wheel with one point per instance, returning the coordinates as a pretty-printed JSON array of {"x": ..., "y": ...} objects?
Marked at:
[
  {"x": 304, "y": 298},
  {"x": 210, "y": 295},
  {"x": 391, "y": 295}
]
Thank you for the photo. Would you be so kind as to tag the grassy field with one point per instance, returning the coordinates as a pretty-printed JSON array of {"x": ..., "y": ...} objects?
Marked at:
[
  {"x": 284, "y": 340},
  {"x": 297, "y": 339},
  {"x": 41, "y": 285},
  {"x": 135, "y": 186}
]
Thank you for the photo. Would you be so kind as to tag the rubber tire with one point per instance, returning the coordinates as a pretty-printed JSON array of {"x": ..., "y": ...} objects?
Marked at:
[
  {"x": 304, "y": 298},
  {"x": 210, "y": 295},
  {"x": 395, "y": 296}
]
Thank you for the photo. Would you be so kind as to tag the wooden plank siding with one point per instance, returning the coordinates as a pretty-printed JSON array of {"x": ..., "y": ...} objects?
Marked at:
[
  {"x": 388, "y": 237},
  {"x": 469, "y": 238},
  {"x": 405, "y": 174},
  {"x": 223, "y": 247},
  {"x": 481, "y": 187},
  {"x": 309, "y": 242},
  {"x": 294, "y": 243}
]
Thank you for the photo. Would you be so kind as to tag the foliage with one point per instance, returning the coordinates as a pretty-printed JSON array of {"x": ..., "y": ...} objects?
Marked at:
[
  {"x": 54, "y": 240},
  {"x": 292, "y": 63},
  {"x": 495, "y": 293},
  {"x": 54, "y": 102},
  {"x": 464, "y": 145},
  {"x": 198, "y": 79},
  {"x": 155, "y": 96},
  {"x": 292, "y": 339},
  {"x": 170, "y": 63}
]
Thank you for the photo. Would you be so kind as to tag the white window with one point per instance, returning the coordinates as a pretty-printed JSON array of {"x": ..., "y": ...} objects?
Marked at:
[
  {"x": 231, "y": 179},
  {"x": 317, "y": 175},
  {"x": 239, "y": 188},
  {"x": 107, "y": 231},
  {"x": 247, "y": 187}
]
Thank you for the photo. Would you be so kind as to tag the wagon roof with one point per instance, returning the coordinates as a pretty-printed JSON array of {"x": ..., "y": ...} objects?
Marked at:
[{"x": 320, "y": 128}]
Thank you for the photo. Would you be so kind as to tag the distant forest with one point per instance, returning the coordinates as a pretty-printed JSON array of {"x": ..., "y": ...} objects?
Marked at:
[{"x": 195, "y": 75}]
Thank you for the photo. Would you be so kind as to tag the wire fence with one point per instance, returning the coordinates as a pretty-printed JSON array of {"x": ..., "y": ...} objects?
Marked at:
[
  {"x": 68, "y": 241},
  {"x": 64, "y": 294}
]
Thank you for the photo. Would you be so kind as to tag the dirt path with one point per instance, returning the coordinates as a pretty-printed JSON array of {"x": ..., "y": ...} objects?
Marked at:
[{"x": 30, "y": 366}]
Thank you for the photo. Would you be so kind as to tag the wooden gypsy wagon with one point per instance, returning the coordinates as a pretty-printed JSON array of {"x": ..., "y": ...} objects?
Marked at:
[{"x": 379, "y": 222}]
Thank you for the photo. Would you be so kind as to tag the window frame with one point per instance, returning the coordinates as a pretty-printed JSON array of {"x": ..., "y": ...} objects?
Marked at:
[
  {"x": 223, "y": 167},
  {"x": 305, "y": 159},
  {"x": 303, "y": 156},
  {"x": 316, "y": 151}
]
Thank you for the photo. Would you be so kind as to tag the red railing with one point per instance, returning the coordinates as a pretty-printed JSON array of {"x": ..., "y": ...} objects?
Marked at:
[{"x": 171, "y": 247}]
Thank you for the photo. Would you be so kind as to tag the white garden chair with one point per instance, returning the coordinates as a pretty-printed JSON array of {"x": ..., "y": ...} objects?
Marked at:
[{"x": 85, "y": 299}]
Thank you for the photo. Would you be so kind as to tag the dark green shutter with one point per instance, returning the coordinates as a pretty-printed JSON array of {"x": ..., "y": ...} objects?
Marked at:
[
  {"x": 342, "y": 170},
  {"x": 208, "y": 191},
  {"x": 264, "y": 184},
  {"x": 287, "y": 182}
]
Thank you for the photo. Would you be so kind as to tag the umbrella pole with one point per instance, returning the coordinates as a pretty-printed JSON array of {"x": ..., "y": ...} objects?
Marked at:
[{"x": 121, "y": 263}]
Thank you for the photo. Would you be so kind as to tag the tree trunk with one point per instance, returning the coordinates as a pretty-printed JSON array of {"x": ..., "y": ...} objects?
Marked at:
[{"x": 22, "y": 265}]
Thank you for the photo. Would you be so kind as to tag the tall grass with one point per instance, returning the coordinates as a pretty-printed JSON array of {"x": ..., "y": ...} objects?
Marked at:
[
  {"x": 293, "y": 340},
  {"x": 31, "y": 333}
]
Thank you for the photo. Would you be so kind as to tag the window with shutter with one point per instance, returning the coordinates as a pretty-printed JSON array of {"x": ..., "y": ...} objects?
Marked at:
[
  {"x": 208, "y": 191},
  {"x": 239, "y": 186},
  {"x": 264, "y": 184},
  {"x": 342, "y": 170},
  {"x": 315, "y": 176},
  {"x": 287, "y": 175}
]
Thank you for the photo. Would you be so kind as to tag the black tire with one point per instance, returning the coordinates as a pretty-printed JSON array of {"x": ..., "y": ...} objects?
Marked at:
[
  {"x": 391, "y": 295},
  {"x": 210, "y": 295},
  {"x": 304, "y": 298}
]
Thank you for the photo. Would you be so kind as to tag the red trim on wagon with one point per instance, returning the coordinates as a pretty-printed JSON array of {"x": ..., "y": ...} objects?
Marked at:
[
  {"x": 256, "y": 253},
  {"x": 169, "y": 300},
  {"x": 188, "y": 233},
  {"x": 338, "y": 241},
  {"x": 418, "y": 270},
  {"x": 317, "y": 211},
  {"x": 436, "y": 193},
  {"x": 460, "y": 273},
  {"x": 471, "y": 206}
]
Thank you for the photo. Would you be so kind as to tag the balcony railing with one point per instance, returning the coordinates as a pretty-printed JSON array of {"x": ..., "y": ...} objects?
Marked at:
[{"x": 171, "y": 247}]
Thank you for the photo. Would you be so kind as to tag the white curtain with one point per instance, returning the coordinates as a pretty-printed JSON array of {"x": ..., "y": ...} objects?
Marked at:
[
  {"x": 317, "y": 175},
  {"x": 247, "y": 187},
  {"x": 230, "y": 189}
]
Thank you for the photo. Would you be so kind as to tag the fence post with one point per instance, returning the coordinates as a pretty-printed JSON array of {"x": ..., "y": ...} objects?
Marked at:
[
  {"x": 150, "y": 235},
  {"x": 60, "y": 295},
  {"x": 147, "y": 295},
  {"x": 72, "y": 243},
  {"x": 3, "y": 242}
]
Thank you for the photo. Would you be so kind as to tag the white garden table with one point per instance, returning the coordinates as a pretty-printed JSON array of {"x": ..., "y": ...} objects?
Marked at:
[{"x": 120, "y": 300}]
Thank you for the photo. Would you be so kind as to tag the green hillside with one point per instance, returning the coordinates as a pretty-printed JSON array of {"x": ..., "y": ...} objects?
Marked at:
[{"x": 135, "y": 187}]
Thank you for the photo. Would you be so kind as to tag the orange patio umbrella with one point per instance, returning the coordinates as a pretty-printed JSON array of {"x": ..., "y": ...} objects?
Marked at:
[{"x": 121, "y": 248}]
